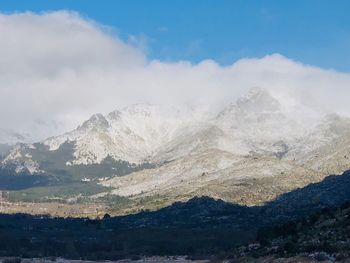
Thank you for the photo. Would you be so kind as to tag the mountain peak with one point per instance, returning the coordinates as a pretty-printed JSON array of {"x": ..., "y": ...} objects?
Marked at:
[
  {"x": 96, "y": 120},
  {"x": 114, "y": 115},
  {"x": 133, "y": 109},
  {"x": 258, "y": 99}
]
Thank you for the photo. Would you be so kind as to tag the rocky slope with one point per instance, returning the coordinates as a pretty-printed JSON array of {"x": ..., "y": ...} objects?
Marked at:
[
  {"x": 253, "y": 151},
  {"x": 250, "y": 152},
  {"x": 322, "y": 237}
]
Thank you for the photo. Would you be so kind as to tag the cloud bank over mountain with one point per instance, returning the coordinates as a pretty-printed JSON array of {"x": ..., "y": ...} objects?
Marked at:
[{"x": 57, "y": 68}]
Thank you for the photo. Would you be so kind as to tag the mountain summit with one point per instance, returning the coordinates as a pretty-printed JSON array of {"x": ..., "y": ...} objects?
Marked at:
[{"x": 249, "y": 153}]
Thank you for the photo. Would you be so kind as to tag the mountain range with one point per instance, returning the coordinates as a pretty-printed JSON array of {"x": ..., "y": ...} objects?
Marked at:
[{"x": 149, "y": 156}]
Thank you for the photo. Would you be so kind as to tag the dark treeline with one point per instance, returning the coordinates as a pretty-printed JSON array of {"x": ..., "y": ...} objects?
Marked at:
[
  {"x": 199, "y": 227},
  {"x": 115, "y": 238}
]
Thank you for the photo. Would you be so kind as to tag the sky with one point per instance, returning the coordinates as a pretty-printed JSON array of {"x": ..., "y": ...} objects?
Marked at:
[
  {"x": 61, "y": 61},
  {"x": 316, "y": 32}
]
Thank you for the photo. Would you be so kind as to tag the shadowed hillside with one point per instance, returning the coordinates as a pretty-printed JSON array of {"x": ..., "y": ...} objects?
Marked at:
[
  {"x": 199, "y": 227},
  {"x": 331, "y": 192}
]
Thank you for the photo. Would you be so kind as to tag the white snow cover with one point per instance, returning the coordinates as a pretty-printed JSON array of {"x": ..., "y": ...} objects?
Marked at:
[
  {"x": 133, "y": 133},
  {"x": 257, "y": 123},
  {"x": 21, "y": 162}
]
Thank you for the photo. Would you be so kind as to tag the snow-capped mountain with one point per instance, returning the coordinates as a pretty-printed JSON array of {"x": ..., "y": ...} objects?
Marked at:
[
  {"x": 132, "y": 134},
  {"x": 256, "y": 123},
  {"x": 261, "y": 123},
  {"x": 248, "y": 152}
]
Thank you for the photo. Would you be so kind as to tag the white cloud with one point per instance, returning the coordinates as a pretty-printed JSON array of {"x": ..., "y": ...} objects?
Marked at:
[{"x": 61, "y": 67}]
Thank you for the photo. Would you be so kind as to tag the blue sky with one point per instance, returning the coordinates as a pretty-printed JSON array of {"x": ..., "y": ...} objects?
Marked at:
[{"x": 313, "y": 32}]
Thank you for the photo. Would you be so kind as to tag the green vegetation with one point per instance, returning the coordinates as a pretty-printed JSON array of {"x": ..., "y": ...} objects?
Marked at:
[
  {"x": 199, "y": 228},
  {"x": 115, "y": 202},
  {"x": 61, "y": 181},
  {"x": 54, "y": 163},
  {"x": 322, "y": 236},
  {"x": 56, "y": 193},
  {"x": 107, "y": 168}
]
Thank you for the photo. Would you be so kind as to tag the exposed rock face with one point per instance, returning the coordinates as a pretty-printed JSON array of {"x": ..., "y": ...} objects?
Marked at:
[{"x": 252, "y": 151}]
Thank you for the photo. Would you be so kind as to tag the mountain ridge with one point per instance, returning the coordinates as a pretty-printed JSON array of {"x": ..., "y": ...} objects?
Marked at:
[{"x": 250, "y": 152}]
